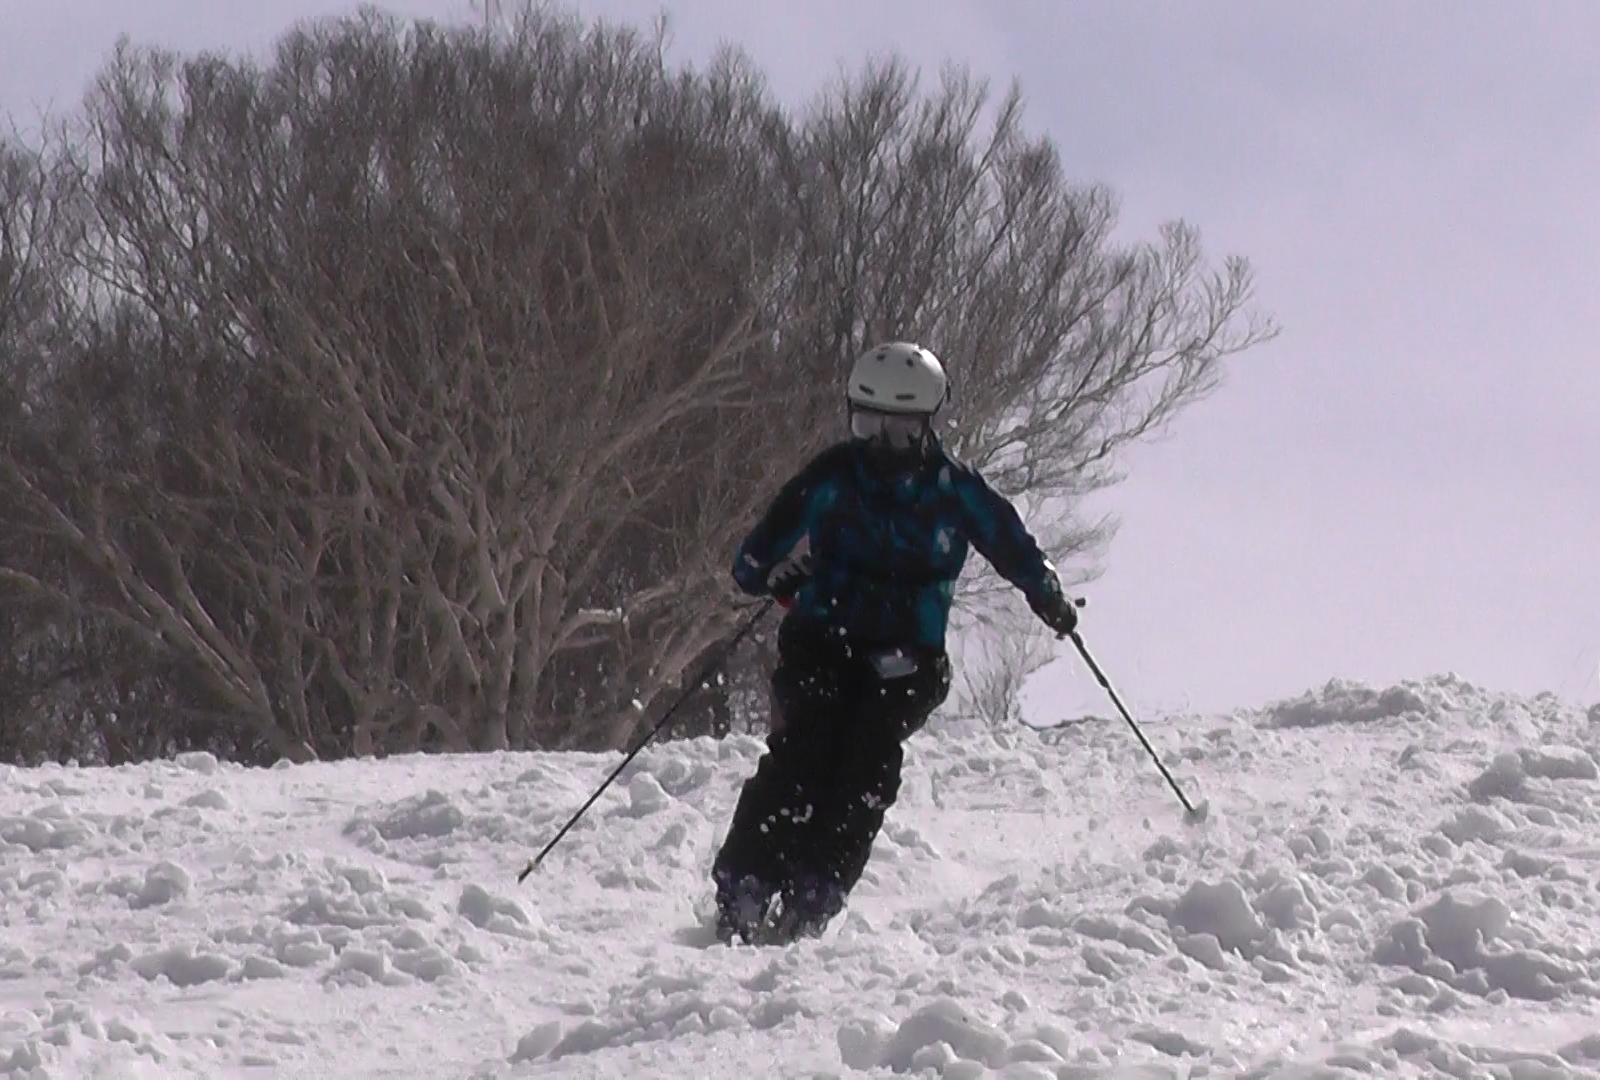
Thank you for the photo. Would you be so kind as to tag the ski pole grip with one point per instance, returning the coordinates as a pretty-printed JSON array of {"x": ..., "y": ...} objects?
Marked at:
[{"x": 1077, "y": 602}]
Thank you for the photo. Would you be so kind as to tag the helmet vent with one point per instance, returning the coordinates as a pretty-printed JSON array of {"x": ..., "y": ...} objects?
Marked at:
[
  {"x": 867, "y": 390},
  {"x": 905, "y": 397}
]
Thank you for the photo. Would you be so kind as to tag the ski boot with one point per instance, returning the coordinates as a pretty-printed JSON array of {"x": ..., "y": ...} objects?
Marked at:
[
  {"x": 806, "y": 907},
  {"x": 743, "y": 903}
]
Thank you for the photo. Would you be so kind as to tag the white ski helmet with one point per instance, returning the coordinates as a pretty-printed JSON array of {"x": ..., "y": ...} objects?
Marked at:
[{"x": 899, "y": 377}]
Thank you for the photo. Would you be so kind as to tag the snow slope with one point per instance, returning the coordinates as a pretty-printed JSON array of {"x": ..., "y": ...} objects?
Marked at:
[{"x": 1400, "y": 881}]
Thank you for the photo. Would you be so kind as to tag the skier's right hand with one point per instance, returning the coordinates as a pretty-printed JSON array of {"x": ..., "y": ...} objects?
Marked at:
[{"x": 788, "y": 576}]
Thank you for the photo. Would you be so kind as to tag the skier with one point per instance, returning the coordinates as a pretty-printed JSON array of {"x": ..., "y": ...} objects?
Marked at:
[{"x": 862, "y": 548}]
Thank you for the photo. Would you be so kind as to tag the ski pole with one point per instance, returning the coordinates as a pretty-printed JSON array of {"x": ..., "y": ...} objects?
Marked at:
[
  {"x": 1194, "y": 812},
  {"x": 711, "y": 666}
]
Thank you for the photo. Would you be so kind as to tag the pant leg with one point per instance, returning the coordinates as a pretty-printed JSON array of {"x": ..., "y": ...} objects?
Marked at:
[
  {"x": 770, "y": 821},
  {"x": 770, "y": 817},
  {"x": 875, "y": 713}
]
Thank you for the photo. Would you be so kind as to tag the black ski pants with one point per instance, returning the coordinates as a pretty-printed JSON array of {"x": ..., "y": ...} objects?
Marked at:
[{"x": 840, "y": 712}]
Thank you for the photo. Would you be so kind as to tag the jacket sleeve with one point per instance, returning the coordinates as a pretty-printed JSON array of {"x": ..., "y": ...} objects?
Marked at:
[
  {"x": 996, "y": 530},
  {"x": 786, "y": 523}
]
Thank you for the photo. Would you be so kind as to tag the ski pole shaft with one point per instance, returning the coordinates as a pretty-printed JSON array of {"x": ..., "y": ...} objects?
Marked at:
[
  {"x": 1100, "y": 676},
  {"x": 727, "y": 651}
]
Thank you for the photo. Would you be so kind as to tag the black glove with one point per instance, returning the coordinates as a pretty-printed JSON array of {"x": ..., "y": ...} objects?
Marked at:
[
  {"x": 1058, "y": 611},
  {"x": 787, "y": 577}
]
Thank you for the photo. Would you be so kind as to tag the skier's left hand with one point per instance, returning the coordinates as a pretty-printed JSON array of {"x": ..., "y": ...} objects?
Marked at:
[{"x": 1059, "y": 613}]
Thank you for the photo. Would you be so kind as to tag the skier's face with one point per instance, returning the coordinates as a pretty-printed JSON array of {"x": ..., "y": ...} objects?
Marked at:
[
  {"x": 898, "y": 433},
  {"x": 895, "y": 442}
]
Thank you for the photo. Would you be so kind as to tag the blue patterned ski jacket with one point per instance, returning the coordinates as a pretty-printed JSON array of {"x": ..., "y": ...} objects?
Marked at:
[{"x": 886, "y": 550}]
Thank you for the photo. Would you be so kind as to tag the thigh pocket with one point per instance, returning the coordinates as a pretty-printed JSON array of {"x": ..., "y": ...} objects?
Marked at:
[
  {"x": 894, "y": 664},
  {"x": 912, "y": 684}
]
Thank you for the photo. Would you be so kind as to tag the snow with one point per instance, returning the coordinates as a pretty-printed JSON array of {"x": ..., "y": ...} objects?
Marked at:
[{"x": 1393, "y": 881}]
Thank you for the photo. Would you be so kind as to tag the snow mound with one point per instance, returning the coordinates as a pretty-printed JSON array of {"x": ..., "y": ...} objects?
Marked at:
[
  {"x": 1221, "y": 912},
  {"x": 646, "y": 796},
  {"x": 659, "y": 1007},
  {"x": 432, "y": 815},
  {"x": 1462, "y": 940},
  {"x": 945, "y": 1039},
  {"x": 1345, "y": 702},
  {"x": 163, "y": 883},
  {"x": 1508, "y": 775},
  {"x": 1399, "y": 881},
  {"x": 427, "y": 829},
  {"x": 34, "y": 1040},
  {"x": 496, "y": 914},
  {"x": 182, "y": 965},
  {"x": 1542, "y": 780},
  {"x": 50, "y": 828},
  {"x": 1413, "y": 1051},
  {"x": 940, "y": 1036},
  {"x": 198, "y": 761}
]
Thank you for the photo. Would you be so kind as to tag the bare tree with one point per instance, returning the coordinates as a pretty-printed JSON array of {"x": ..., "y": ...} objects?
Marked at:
[
  {"x": 995, "y": 668},
  {"x": 936, "y": 217},
  {"x": 395, "y": 345},
  {"x": 414, "y": 389},
  {"x": 34, "y": 665}
]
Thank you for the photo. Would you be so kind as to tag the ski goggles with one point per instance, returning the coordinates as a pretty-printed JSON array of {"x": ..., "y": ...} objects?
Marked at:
[{"x": 899, "y": 431}]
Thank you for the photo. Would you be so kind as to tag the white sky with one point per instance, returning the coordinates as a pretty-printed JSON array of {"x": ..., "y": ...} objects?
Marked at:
[{"x": 1408, "y": 480}]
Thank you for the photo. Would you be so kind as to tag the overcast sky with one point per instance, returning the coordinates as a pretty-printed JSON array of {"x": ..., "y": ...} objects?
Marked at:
[{"x": 1407, "y": 481}]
